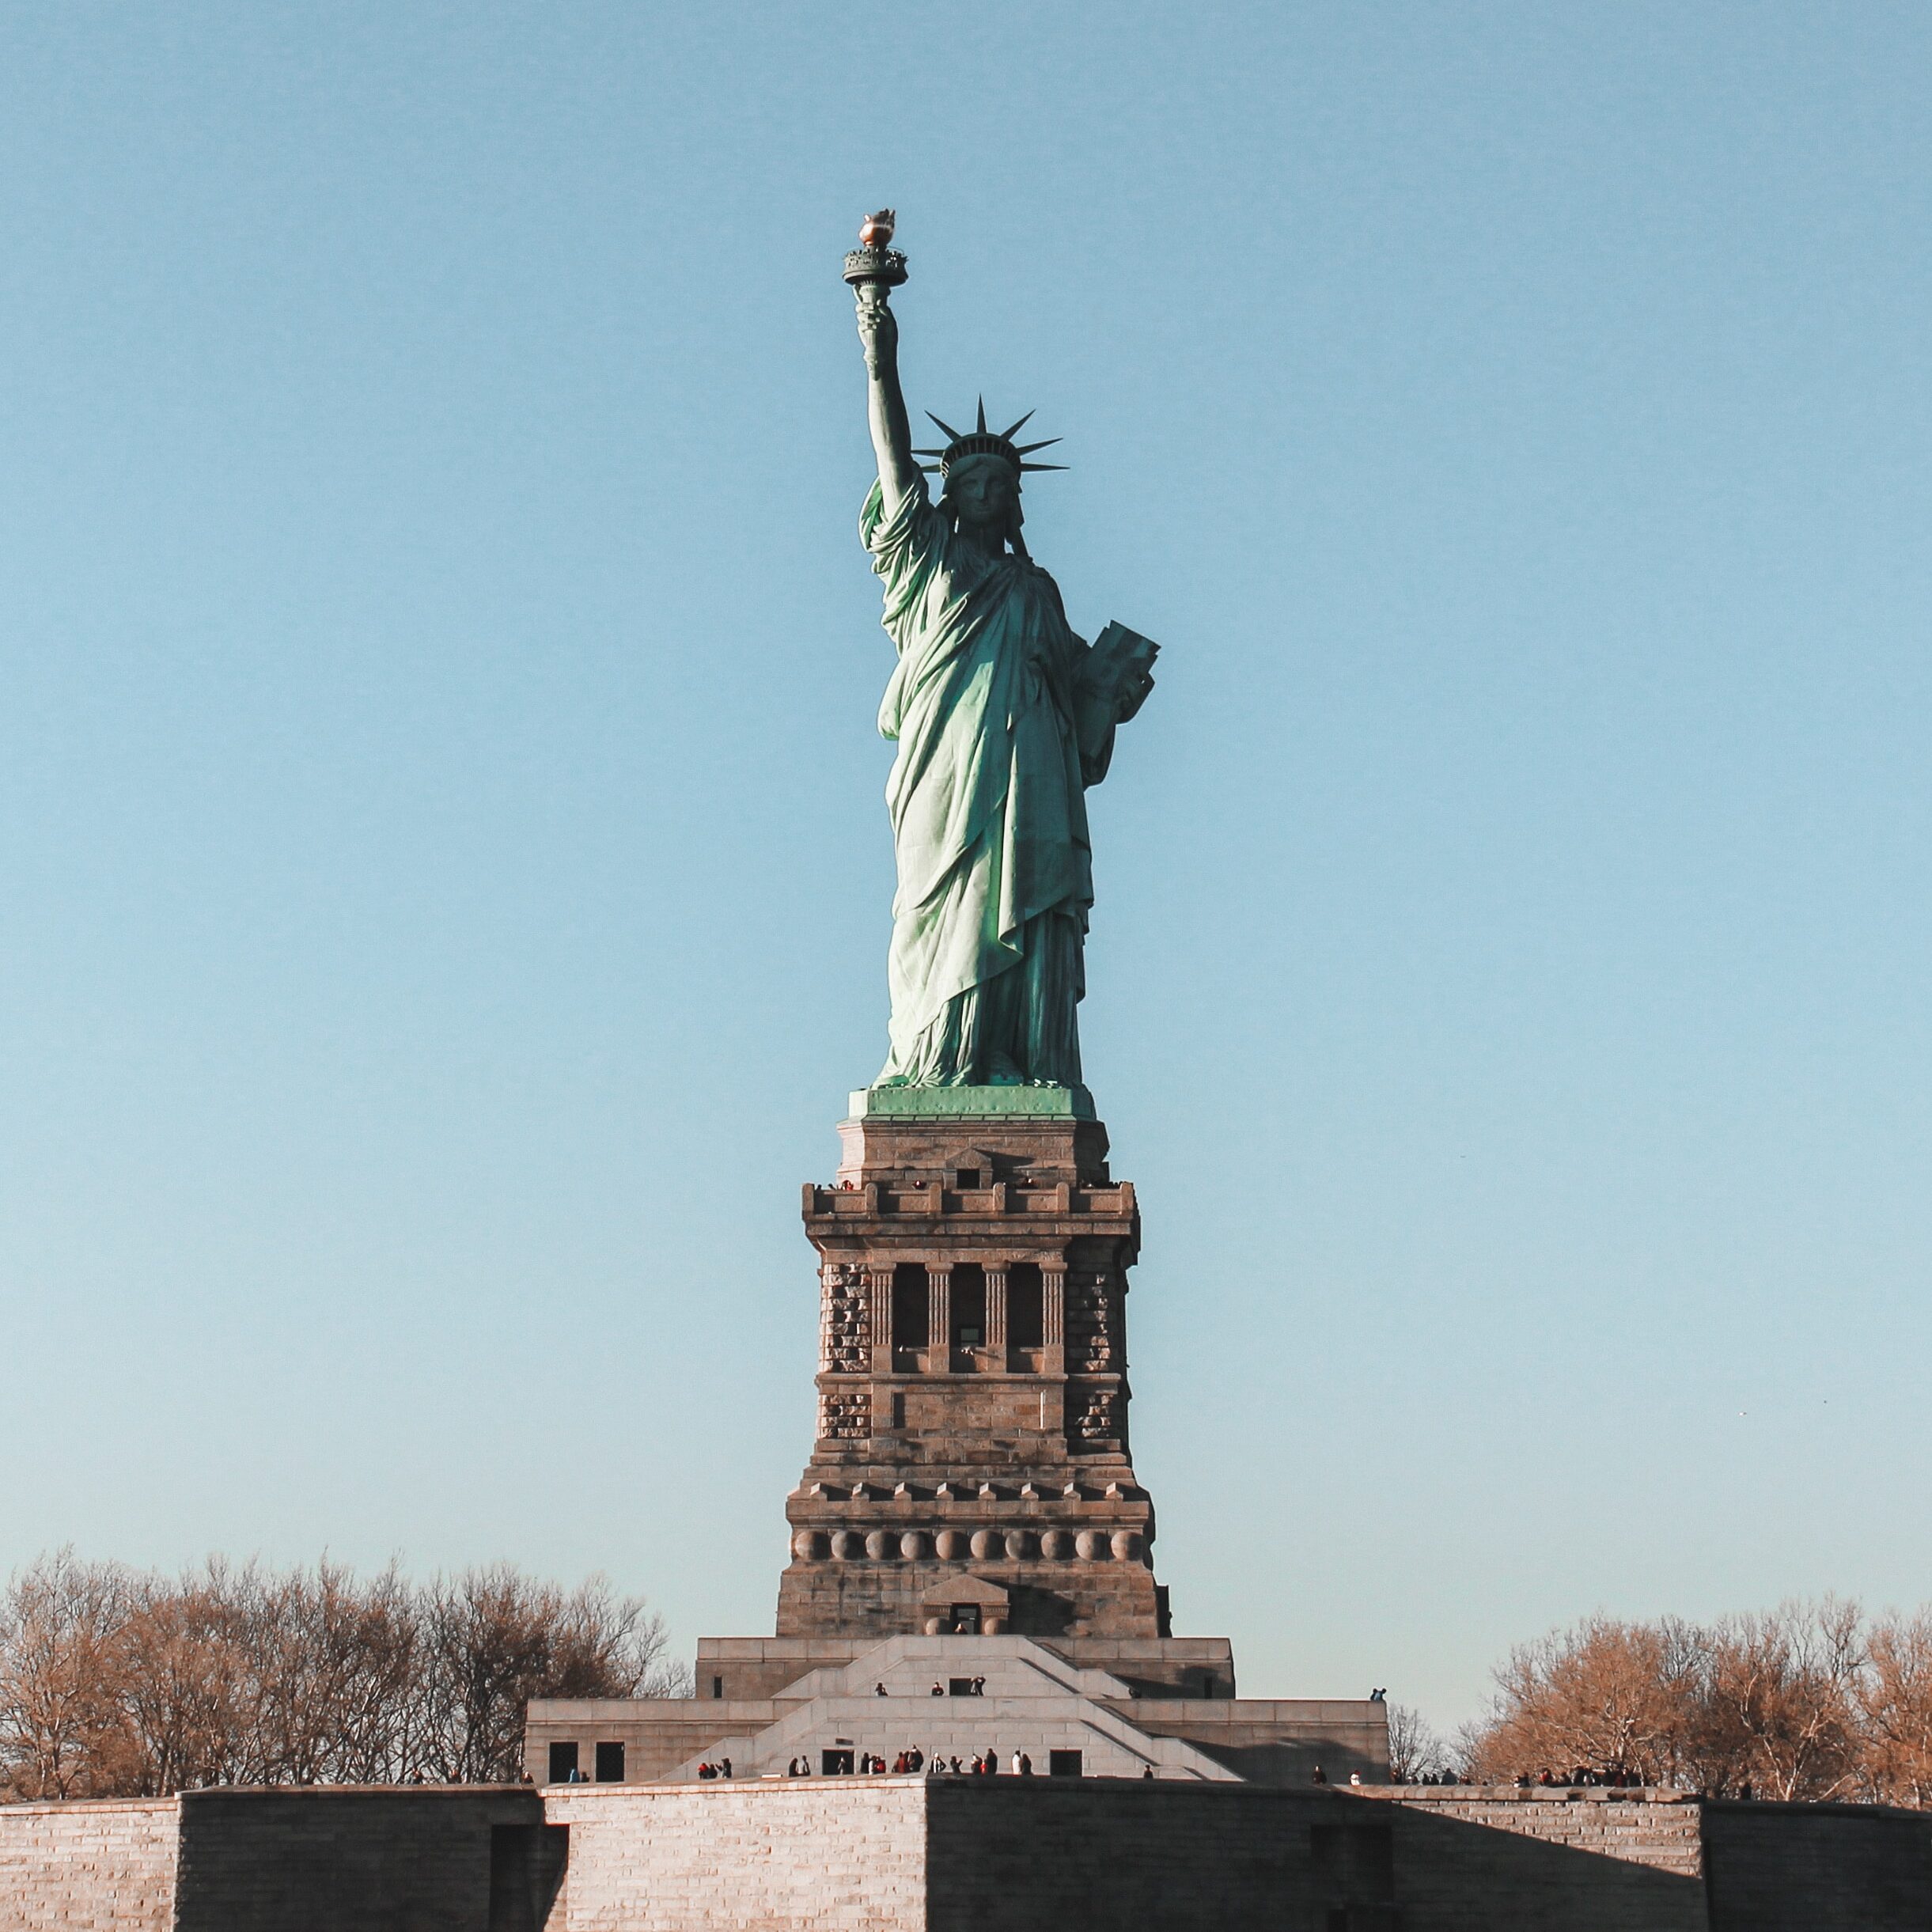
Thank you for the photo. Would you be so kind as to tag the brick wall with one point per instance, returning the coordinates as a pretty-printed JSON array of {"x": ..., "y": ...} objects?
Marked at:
[
  {"x": 376, "y": 1858},
  {"x": 1048, "y": 1856},
  {"x": 1658, "y": 1828},
  {"x": 1818, "y": 1868},
  {"x": 108, "y": 1866},
  {"x": 1186, "y": 1858},
  {"x": 1603, "y": 1861},
  {"x": 958, "y": 1855},
  {"x": 840, "y": 1855}
]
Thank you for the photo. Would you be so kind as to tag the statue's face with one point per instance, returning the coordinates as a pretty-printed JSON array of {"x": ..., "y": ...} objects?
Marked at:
[{"x": 984, "y": 491}]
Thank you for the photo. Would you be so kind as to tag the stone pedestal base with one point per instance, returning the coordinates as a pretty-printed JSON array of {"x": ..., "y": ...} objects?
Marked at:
[{"x": 972, "y": 1472}]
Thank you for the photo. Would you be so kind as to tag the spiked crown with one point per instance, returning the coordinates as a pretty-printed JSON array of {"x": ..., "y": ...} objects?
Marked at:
[{"x": 984, "y": 442}]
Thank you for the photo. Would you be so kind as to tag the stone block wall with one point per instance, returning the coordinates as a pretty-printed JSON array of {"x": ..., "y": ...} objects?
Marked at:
[
  {"x": 1005, "y": 1854},
  {"x": 376, "y": 1858},
  {"x": 1604, "y": 1861},
  {"x": 108, "y": 1866},
  {"x": 1825, "y": 1868},
  {"x": 1035, "y": 1857},
  {"x": 839, "y": 1855},
  {"x": 1166, "y": 1859},
  {"x": 1045, "y": 1855},
  {"x": 1659, "y": 1828}
]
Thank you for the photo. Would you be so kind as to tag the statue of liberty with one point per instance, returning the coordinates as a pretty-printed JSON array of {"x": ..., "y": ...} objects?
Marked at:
[{"x": 1003, "y": 717}]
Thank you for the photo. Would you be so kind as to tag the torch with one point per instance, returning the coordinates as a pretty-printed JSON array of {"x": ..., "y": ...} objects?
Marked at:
[{"x": 875, "y": 265}]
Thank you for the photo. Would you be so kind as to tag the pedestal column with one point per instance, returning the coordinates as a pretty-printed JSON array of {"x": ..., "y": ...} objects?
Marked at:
[
  {"x": 1053, "y": 1318},
  {"x": 938, "y": 1315}
]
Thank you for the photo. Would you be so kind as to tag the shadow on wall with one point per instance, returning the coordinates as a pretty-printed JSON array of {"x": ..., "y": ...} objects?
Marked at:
[
  {"x": 1827, "y": 1868},
  {"x": 1228, "y": 1858},
  {"x": 426, "y": 1858},
  {"x": 527, "y": 1863},
  {"x": 1453, "y": 1876}
]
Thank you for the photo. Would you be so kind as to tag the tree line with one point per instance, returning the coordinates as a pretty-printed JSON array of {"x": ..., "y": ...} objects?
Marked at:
[
  {"x": 120, "y": 1682},
  {"x": 1812, "y": 1700}
]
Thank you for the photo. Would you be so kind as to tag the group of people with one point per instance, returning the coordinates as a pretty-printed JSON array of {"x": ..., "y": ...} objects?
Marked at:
[
  {"x": 1615, "y": 1779},
  {"x": 721, "y": 1769},
  {"x": 869, "y": 1764},
  {"x": 983, "y": 1764}
]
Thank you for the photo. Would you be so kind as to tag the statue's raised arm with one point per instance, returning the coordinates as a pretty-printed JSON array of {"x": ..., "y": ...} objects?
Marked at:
[{"x": 885, "y": 402}]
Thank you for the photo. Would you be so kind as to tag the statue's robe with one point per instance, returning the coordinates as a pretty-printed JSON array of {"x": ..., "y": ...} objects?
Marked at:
[{"x": 987, "y": 801}]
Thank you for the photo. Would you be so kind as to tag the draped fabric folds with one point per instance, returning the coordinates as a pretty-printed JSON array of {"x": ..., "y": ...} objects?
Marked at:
[{"x": 988, "y": 808}]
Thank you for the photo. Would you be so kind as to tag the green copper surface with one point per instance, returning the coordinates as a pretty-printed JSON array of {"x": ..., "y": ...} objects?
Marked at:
[
  {"x": 1003, "y": 717},
  {"x": 980, "y": 1103}
]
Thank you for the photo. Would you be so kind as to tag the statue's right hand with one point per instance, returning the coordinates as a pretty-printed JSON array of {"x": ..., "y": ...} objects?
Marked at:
[{"x": 878, "y": 327}]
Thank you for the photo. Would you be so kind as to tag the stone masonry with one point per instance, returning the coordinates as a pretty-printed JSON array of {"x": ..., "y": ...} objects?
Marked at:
[
  {"x": 997, "y": 1854},
  {"x": 107, "y": 1864},
  {"x": 971, "y": 1471}
]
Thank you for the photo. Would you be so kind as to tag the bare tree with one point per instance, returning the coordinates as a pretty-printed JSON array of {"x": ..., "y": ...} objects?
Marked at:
[
  {"x": 339, "y": 1660},
  {"x": 1416, "y": 1750},
  {"x": 1782, "y": 1704},
  {"x": 1606, "y": 1697},
  {"x": 188, "y": 1688},
  {"x": 63, "y": 1732},
  {"x": 1895, "y": 1710},
  {"x": 495, "y": 1639},
  {"x": 115, "y": 1683}
]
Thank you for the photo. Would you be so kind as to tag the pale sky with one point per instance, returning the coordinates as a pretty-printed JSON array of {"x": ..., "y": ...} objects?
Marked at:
[{"x": 443, "y": 866}]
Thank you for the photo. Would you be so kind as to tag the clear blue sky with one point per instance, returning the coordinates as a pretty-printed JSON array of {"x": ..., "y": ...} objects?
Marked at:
[{"x": 442, "y": 861}]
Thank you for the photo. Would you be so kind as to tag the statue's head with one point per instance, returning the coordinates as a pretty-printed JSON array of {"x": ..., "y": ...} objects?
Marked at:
[
  {"x": 982, "y": 495},
  {"x": 983, "y": 470}
]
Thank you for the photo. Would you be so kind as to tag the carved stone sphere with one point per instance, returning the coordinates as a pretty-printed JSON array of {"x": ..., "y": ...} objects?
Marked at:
[
  {"x": 809, "y": 1546},
  {"x": 1019, "y": 1544},
  {"x": 846, "y": 1545},
  {"x": 912, "y": 1545},
  {"x": 1092, "y": 1544},
  {"x": 1126, "y": 1544},
  {"x": 951, "y": 1544},
  {"x": 987, "y": 1543},
  {"x": 880, "y": 1544},
  {"x": 1056, "y": 1545}
]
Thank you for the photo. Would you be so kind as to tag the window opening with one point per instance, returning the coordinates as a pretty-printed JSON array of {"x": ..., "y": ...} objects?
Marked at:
[
  {"x": 610, "y": 1764},
  {"x": 910, "y": 1324},
  {"x": 835, "y": 1763},
  {"x": 968, "y": 1305},
  {"x": 562, "y": 1763},
  {"x": 1063, "y": 1764},
  {"x": 1026, "y": 1318}
]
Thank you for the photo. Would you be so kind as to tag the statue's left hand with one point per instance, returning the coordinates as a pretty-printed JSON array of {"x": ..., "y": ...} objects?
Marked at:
[
  {"x": 1134, "y": 690},
  {"x": 1135, "y": 676}
]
